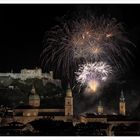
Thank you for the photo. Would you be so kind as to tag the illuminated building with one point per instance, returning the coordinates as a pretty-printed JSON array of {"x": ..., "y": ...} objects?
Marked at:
[
  {"x": 25, "y": 74},
  {"x": 69, "y": 102},
  {"x": 34, "y": 99},
  {"x": 122, "y": 110},
  {"x": 33, "y": 110}
]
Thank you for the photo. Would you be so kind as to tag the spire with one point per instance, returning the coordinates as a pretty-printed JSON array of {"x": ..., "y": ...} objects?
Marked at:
[
  {"x": 122, "y": 96},
  {"x": 69, "y": 92},
  {"x": 68, "y": 85},
  {"x": 33, "y": 90},
  {"x": 100, "y": 108},
  {"x": 100, "y": 103}
]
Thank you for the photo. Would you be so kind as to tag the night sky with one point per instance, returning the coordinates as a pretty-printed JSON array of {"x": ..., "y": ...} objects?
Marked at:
[{"x": 22, "y": 28}]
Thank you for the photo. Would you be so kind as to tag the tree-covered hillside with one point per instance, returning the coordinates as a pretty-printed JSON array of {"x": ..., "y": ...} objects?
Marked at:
[{"x": 17, "y": 91}]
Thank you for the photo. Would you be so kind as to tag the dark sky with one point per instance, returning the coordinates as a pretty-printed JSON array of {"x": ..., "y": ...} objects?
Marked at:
[{"x": 22, "y": 28}]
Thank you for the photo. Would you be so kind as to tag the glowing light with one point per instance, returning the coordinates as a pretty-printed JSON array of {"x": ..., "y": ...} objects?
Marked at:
[
  {"x": 93, "y": 74},
  {"x": 96, "y": 51},
  {"x": 93, "y": 85},
  {"x": 108, "y": 35}
]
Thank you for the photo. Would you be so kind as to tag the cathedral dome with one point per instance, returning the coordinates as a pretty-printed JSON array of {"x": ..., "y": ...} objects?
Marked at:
[{"x": 34, "y": 95}]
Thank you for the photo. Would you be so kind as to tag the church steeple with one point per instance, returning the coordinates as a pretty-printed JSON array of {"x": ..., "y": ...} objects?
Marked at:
[
  {"x": 69, "y": 91},
  {"x": 122, "y": 97},
  {"x": 122, "y": 110},
  {"x": 69, "y": 102},
  {"x": 100, "y": 103},
  {"x": 33, "y": 91},
  {"x": 100, "y": 108}
]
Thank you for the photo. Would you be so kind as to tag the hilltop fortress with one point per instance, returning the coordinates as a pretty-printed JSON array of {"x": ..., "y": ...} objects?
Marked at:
[{"x": 30, "y": 74}]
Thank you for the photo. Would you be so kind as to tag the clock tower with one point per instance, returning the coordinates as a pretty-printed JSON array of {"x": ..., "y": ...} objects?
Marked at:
[{"x": 69, "y": 102}]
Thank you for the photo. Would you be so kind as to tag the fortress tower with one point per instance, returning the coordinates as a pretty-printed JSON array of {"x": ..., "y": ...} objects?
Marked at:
[
  {"x": 69, "y": 102},
  {"x": 122, "y": 110},
  {"x": 34, "y": 99},
  {"x": 100, "y": 108}
]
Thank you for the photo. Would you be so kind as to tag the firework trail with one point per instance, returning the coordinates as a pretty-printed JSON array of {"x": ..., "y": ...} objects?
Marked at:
[
  {"x": 93, "y": 74},
  {"x": 86, "y": 39}
]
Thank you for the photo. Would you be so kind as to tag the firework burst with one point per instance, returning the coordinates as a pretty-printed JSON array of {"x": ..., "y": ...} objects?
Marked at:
[
  {"x": 93, "y": 74},
  {"x": 86, "y": 39}
]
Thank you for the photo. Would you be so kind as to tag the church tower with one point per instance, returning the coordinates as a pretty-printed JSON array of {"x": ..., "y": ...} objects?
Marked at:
[
  {"x": 34, "y": 99},
  {"x": 69, "y": 102},
  {"x": 100, "y": 108},
  {"x": 122, "y": 110}
]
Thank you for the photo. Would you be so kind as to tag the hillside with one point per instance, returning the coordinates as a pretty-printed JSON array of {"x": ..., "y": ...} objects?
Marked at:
[{"x": 15, "y": 91}]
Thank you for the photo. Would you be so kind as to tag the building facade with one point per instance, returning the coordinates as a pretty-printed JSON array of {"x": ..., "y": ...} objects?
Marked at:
[
  {"x": 33, "y": 111},
  {"x": 69, "y": 102}
]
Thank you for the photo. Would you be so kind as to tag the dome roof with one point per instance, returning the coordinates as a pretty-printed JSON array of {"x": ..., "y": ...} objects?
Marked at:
[
  {"x": 33, "y": 91},
  {"x": 34, "y": 97}
]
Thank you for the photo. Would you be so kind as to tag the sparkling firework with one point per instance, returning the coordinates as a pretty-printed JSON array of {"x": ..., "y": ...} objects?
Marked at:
[
  {"x": 86, "y": 39},
  {"x": 93, "y": 74}
]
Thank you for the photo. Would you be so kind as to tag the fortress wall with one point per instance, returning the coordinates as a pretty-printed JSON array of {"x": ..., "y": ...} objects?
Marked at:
[{"x": 33, "y": 73}]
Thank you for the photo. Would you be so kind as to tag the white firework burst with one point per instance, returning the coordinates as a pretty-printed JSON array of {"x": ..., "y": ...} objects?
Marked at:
[{"x": 93, "y": 74}]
